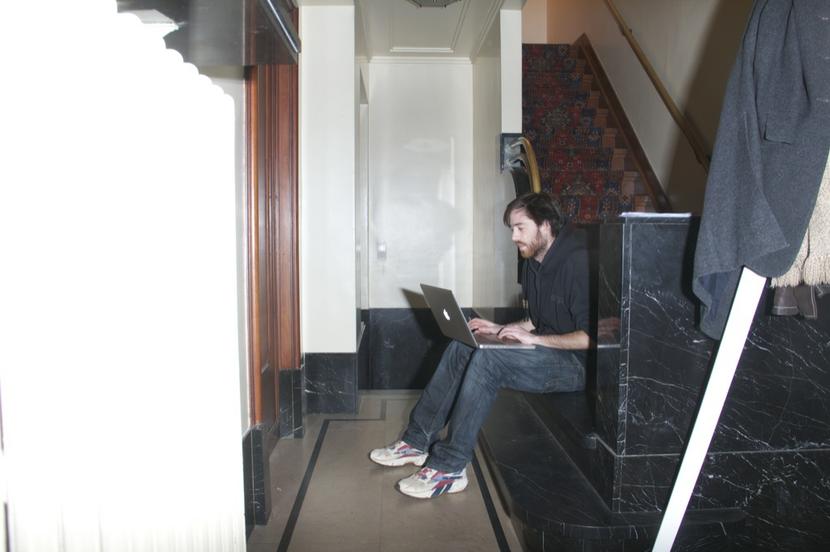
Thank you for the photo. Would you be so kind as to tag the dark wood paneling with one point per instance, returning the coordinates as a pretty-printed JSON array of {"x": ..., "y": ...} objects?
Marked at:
[
  {"x": 261, "y": 374},
  {"x": 273, "y": 216},
  {"x": 288, "y": 259}
]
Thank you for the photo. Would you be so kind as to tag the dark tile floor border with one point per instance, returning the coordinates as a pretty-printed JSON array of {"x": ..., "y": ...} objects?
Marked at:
[{"x": 291, "y": 523}]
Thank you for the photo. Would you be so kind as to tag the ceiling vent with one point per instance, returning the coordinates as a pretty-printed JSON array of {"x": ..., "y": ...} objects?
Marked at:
[{"x": 432, "y": 3}]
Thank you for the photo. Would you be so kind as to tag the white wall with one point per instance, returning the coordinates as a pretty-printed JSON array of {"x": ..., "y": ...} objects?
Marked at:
[
  {"x": 692, "y": 44},
  {"x": 420, "y": 178},
  {"x": 510, "y": 25},
  {"x": 362, "y": 177},
  {"x": 496, "y": 109},
  {"x": 361, "y": 206},
  {"x": 535, "y": 22},
  {"x": 327, "y": 179}
]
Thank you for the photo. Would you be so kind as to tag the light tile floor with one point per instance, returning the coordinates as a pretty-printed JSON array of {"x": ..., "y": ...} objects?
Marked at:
[{"x": 351, "y": 504}]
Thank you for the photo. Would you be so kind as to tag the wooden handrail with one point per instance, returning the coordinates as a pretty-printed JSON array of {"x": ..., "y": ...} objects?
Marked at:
[{"x": 685, "y": 127}]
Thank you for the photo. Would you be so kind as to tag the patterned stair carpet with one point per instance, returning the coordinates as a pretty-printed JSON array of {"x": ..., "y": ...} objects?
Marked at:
[{"x": 583, "y": 162}]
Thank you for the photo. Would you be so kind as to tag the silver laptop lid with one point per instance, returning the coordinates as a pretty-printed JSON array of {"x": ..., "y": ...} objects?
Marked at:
[
  {"x": 453, "y": 323},
  {"x": 448, "y": 314}
]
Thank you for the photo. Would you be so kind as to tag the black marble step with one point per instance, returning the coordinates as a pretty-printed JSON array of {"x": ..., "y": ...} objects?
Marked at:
[
  {"x": 569, "y": 417},
  {"x": 553, "y": 505}
]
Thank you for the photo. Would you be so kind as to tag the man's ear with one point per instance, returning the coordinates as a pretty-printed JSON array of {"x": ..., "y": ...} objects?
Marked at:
[{"x": 546, "y": 224}]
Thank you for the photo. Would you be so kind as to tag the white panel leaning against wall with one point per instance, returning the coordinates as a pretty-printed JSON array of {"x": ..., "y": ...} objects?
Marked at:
[{"x": 119, "y": 364}]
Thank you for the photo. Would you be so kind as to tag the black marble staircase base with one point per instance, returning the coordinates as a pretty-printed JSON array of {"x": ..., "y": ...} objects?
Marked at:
[{"x": 554, "y": 506}]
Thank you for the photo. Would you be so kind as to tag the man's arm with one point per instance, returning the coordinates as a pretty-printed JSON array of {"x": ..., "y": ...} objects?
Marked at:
[
  {"x": 521, "y": 331},
  {"x": 482, "y": 326},
  {"x": 572, "y": 341}
]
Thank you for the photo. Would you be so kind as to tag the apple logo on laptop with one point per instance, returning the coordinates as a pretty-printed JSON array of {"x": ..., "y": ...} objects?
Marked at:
[{"x": 446, "y": 314}]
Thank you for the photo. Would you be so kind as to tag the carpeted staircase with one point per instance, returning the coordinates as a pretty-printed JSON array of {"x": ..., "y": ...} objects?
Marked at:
[{"x": 579, "y": 134}]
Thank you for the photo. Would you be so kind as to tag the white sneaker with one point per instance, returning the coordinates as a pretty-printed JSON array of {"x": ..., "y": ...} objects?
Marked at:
[
  {"x": 398, "y": 454},
  {"x": 429, "y": 483}
]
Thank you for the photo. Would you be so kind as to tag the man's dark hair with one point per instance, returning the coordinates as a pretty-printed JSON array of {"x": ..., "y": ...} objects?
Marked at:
[{"x": 539, "y": 207}]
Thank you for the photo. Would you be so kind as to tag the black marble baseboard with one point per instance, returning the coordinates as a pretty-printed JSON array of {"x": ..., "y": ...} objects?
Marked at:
[
  {"x": 291, "y": 404},
  {"x": 363, "y": 353},
  {"x": 257, "y": 445},
  {"x": 331, "y": 383},
  {"x": 248, "y": 483},
  {"x": 404, "y": 348}
]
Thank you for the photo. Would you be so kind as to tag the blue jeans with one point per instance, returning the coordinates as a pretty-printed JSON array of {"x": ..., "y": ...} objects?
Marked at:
[{"x": 466, "y": 383}]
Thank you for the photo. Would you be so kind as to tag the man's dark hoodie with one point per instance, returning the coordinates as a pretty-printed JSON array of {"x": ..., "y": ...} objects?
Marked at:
[{"x": 557, "y": 288}]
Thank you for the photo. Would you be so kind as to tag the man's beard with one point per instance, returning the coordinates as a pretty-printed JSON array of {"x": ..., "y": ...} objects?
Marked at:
[{"x": 534, "y": 247}]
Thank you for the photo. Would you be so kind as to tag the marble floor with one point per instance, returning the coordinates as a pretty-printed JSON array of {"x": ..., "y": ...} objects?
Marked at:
[{"x": 328, "y": 496}]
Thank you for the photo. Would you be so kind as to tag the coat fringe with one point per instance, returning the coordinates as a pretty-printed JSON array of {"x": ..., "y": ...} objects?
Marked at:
[
  {"x": 812, "y": 263},
  {"x": 816, "y": 271}
]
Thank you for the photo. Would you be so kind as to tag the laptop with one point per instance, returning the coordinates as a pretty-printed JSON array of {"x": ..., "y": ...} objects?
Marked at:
[{"x": 453, "y": 323}]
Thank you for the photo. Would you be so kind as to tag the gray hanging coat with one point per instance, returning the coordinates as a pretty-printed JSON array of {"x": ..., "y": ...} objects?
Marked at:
[{"x": 770, "y": 152}]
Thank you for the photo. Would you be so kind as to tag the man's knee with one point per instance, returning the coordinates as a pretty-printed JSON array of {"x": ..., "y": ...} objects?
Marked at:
[
  {"x": 458, "y": 353},
  {"x": 483, "y": 370},
  {"x": 455, "y": 347},
  {"x": 455, "y": 358}
]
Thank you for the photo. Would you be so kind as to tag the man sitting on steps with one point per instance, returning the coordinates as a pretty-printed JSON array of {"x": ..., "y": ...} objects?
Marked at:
[{"x": 467, "y": 380}]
